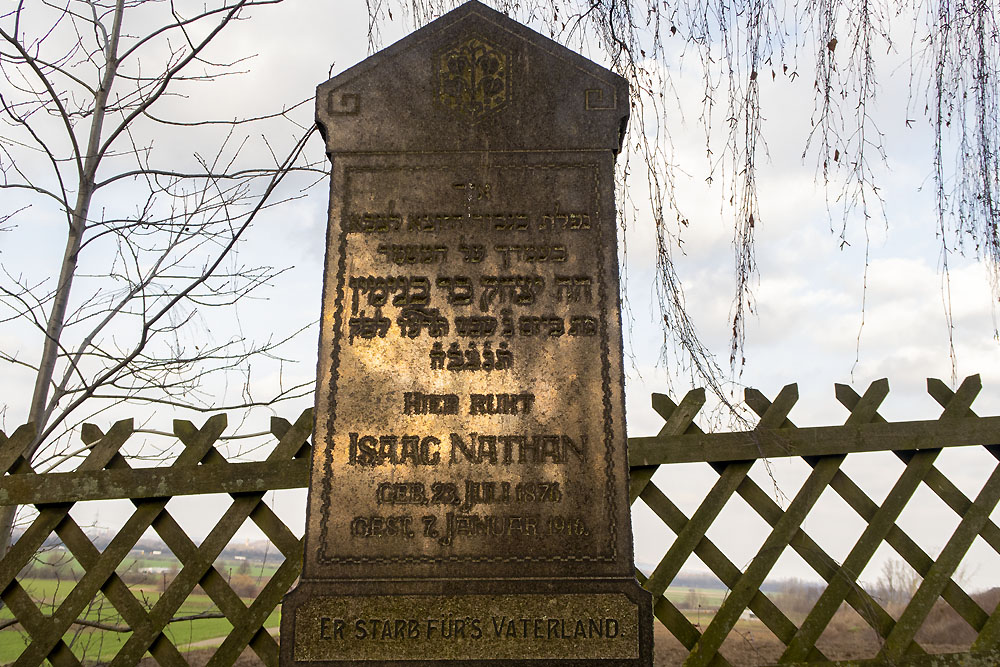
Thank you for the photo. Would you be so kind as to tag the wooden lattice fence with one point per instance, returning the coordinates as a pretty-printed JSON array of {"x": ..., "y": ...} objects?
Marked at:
[
  {"x": 731, "y": 455},
  {"x": 201, "y": 468},
  {"x": 105, "y": 474}
]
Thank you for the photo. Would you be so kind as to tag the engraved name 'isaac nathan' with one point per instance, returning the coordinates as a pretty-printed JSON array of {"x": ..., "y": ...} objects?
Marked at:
[{"x": 375, "y": 450}]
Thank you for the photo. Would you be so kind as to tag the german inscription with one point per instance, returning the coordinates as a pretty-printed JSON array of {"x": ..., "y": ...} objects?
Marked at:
[{"x": 472, "y": 626}]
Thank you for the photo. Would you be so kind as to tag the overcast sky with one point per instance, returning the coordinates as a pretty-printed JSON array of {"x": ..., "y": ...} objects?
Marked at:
[{"x": 808, "y": 299}]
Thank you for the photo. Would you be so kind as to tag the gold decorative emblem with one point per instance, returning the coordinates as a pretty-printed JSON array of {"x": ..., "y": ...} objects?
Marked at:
[{"x": 474, "y": 77}]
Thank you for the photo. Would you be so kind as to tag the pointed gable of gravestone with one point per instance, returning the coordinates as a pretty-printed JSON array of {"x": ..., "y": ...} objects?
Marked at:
[{"x": 473, "y": 80}]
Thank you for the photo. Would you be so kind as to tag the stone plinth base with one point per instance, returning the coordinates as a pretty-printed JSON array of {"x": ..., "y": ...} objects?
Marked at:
[{"x": 498, "y": 622}]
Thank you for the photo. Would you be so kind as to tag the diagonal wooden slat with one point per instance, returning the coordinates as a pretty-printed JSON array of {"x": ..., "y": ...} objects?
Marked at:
[
  {"x": 280, "y": 428},
  {"x": 817, "y": 559},
  {"x": 49, "y": 516},
  {"x": 215, "y": 585},
  {"x": 825, "y": 566},
  {"x": 11, "y": 448},
  {"x": 867, "y": 608},
  {"x": 677, "y": 420},
  {"x": 879, "y": 525},
  {"x": 275, "y": 529},
  {"x": 196, "y": 564},
  {"x": 720, "y": 565},
  {"x": 672, "y": 618},
  {"x": 250, "y": 629},
  {"x": 48, "y": 632},
  {"x": 696, "y": 527},
  {"x": 41, "y": 626},
  {"x": 955, "y": 407},
  {"x": 36, "y": 624},
  {"x": 247, "y": 627},
  {"x": 663, "y": 609},
  {"x": 638, "y": 478},
  {"x": 749, "y": 583},
  {"x": 941, "y": 393},
  {"x": 132, "y": 611},
  {"x": 953, "y": 497},
  {"x": 199, "y": 442},
  {"x": 84, "y": 591},
  {"x": 729, "y": 480},
  {"x": 989, "y": 631},
  {"x": 867, "y": 406},
  {"x": 665, "y": 612},
  {"x": 959, "y": 403},
  {"x": 776, "y": 414},
  {"x": 989, "y": 636},
  {"x": 198, "y": 568},
  {"x": 296, "y": 442},
  {"x": 914, "y": 556},
  {"x": 843, "y": 585},
  {"x": 102, "y": 568},
  {"x": 898, "y": 642}
]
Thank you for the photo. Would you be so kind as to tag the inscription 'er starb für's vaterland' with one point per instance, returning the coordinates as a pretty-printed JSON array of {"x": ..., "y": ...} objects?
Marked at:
[{"x": 468, "y": 501}]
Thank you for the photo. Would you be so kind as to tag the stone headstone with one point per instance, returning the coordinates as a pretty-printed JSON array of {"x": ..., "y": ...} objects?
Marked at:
[{"x": 468, "y": 499}]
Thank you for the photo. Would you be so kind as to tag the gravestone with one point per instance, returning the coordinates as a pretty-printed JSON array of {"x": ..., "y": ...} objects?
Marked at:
[{"x": 468, "y": 500}]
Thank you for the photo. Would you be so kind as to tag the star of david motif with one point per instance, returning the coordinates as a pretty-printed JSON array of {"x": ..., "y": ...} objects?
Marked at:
[{"x": 474, "y": 77}]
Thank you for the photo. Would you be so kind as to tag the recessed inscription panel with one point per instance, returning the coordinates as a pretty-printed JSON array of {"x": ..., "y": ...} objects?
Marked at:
[
  {"x": 467, "y": 627},
  {"x": 470, "y": 414}
]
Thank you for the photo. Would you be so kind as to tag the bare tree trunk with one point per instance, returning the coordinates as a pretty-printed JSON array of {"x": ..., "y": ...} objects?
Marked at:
[
  {"x": 114, "y": 319},
  {"x": 40, "y": 410},
  {"x": 41, "y": 407}
]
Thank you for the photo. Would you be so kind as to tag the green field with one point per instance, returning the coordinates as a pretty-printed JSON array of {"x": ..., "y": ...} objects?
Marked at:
[
  {"x": 98, "y": 645},
  {"x": 707, "y": 598},
  {"x": 67, "y": 567}
]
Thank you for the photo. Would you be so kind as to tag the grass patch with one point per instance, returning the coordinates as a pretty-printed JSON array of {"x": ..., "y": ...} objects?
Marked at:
[{"x": 99, "y": 645}]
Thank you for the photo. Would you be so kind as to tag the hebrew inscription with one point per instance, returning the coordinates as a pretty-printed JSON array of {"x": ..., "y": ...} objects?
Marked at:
[{"x": 470, "y": 305}]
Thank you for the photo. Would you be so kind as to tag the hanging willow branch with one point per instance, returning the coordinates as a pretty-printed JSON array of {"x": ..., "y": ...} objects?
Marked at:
[{"x": 955, "y": 55}]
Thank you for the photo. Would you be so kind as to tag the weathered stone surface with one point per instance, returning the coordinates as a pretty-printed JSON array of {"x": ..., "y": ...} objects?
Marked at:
[
  {"x": 467, "y": 627},
  {"x": 469, "y": 458}
]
